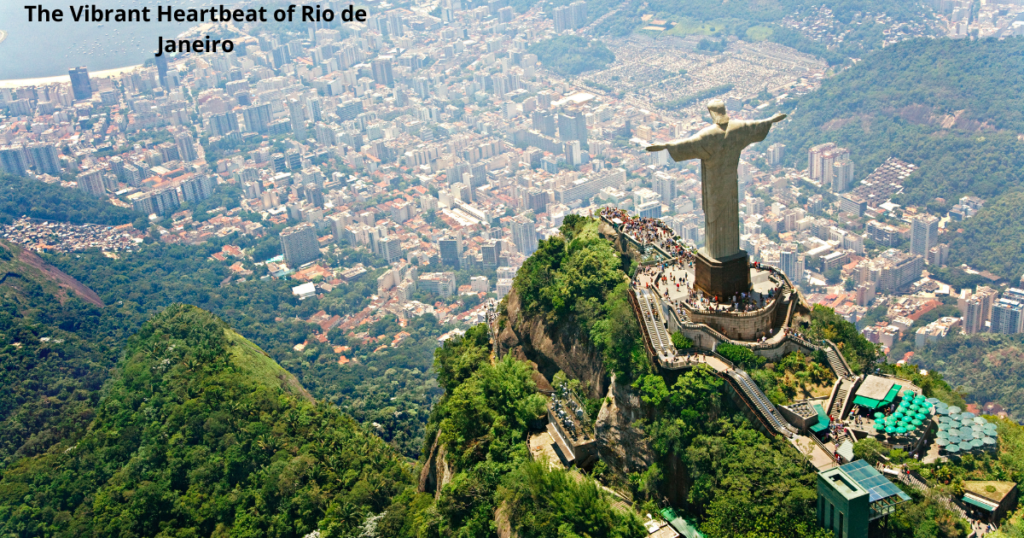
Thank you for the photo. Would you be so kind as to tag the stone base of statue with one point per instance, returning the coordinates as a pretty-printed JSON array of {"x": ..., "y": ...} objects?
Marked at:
[{"x": 722, "y": 278}]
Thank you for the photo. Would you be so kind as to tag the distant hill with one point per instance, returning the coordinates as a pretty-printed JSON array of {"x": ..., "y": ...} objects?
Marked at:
[
  {"x": 951, "y": 107},
  {"x": 201, "y": 433},
  {"x": 988, "y": 367}
]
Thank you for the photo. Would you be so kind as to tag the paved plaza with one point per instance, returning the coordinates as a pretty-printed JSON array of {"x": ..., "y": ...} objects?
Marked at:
[{"x": 676, "y": 280}]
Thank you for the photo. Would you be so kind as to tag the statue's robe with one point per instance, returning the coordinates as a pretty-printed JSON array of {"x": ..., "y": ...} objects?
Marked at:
[{"x": 719, "y": 151}]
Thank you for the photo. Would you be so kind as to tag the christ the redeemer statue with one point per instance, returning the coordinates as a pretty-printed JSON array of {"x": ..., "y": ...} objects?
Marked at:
[
  {"x": 724, "y": 271},
  {"x": 718, "y": 147}
]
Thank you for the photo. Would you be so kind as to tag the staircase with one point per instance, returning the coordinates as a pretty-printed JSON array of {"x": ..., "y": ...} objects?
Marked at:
[
  {"x": 837, "y": 363},
  {"x": 844, "y": 436},
  {"x": 654, "y": 325},
  {"x": 839, "y": 403},
  {"x": 762, "y": 405}
]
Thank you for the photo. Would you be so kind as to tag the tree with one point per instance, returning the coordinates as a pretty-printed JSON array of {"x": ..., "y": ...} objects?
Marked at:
[
  {"x": 870, "y": 450},
  {"x": 740, "y": 355},
  {"x": 681, "y": 342}
]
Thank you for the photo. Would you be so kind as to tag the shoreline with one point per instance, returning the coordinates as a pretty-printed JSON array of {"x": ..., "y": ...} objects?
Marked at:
[{"x": 65, "y": 79}]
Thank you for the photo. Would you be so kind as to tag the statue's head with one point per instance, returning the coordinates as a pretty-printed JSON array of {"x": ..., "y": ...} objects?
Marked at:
[{"x": 717, "y": 109}]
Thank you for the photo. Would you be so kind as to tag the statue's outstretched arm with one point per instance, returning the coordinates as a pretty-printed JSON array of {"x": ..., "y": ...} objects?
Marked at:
[
  {"x": 757, "y": 131},
  {"x": 682, "y": 150}
]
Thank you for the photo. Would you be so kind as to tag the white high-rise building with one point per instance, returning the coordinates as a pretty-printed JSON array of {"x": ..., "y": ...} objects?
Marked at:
[
  {"x": 524, "y": 235},
  {"x": 924, "y": 234}
]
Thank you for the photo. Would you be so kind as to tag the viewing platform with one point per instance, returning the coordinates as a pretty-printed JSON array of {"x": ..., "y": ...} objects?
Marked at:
[{"x": 666, "y": 300}]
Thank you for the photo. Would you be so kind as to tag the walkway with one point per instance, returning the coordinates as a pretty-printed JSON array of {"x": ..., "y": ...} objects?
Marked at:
[
  {"x": 689, "y": 360},
  {"x": 817, "y": 455},
  {"x": 910, "y": 480}
]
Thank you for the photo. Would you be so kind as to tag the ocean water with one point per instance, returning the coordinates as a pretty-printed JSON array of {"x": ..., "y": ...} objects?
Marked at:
[{"x": 40, "y": 49}]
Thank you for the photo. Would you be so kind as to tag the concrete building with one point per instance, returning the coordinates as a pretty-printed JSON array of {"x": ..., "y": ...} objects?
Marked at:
[
  {"x": 815, "y": 164},
  {"x": 297, "y": 118},
  {"x": 80, "y": 85},
  {"x": 588, "y": 187},
  {"x": 45, "y": 158},
  {"x": 186, "y": 146},
  {"x": 451, "y": 252},
  {"x": 13, "y": 160},
  {"x": 382, "y": 72},
  {"x": 197, "y": 188},
  {"x": 935, "y": 331},
  {"x": 504, "y": 287},
  {"x": 390, "y": 249},
  {"x": 300, "y": 245},
  {"x": 976, "y": 308},
  {"x": 1007, "y": 316},
  {"x": 665, "y": 186},
  {"x": 91, "y": 182},
  {"x": 524, "y": 235},
  {"x": 479, "y": 284},
  {"x": 440, "y": 284},
  {"x": 924, "y": 234}
]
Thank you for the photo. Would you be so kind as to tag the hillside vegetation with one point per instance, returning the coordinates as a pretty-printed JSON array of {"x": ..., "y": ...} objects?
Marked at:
[
  {"x": 481, "y": 424},
  {"x": 579, "y": 277},
  {"x": 53, "y": 360},
  {"x": 388, "y": 385},
  {"x": 950, "y": 106},
  {"x": 993, "y": 239},
  {"x": 22, "y": 196},
  {"x": 571, "y": 55},
  {"x": 760, "y": 20},
  {"x": 987, "y": 367},
  {"x": 199, "y": 434}
]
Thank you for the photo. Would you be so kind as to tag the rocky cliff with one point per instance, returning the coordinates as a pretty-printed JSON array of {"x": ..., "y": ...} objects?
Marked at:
[{"x": 549, "y": 348}]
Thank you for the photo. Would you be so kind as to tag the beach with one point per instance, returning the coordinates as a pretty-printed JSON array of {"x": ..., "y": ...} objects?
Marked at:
[{"x": 41, "y": 81}]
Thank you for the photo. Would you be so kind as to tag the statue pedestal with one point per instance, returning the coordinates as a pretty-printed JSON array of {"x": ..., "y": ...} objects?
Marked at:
[{"x": 725, "y": 277}]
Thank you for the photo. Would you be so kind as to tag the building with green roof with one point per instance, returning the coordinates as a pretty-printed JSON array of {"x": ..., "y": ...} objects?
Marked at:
[{"x": 851, "y": 496}]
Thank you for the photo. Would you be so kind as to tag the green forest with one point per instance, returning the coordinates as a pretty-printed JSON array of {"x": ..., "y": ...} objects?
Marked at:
[
  {"x": 66, "y": 346},
  {"x": 987, "y": 367},
  {"x": 993, "y": 239},
  {"x": 22, "y": 196},
  {"x": 892, "y": 105},
  {"x": 578, "y": 277},
  {"x": 570, "y": 55},
  {"x": 200, "y": 433}
]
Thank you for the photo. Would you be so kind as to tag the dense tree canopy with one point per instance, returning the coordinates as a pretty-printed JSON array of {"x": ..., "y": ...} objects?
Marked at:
[
  {"x": 993, "y": 239},
  {"x": 578, "y": 276},
  {"x": 138, "y": 286},
  {"x": 895, "y": 103},
  {"x": 987, "y": 367},
  {"x": 571, "y": 55},
  {"x": 22, "y": 196},
  {"x": 202, "y": 433}
]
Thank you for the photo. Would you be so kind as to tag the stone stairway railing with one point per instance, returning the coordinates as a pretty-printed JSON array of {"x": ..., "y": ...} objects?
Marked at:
[{"x": 824, "y": 449}]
